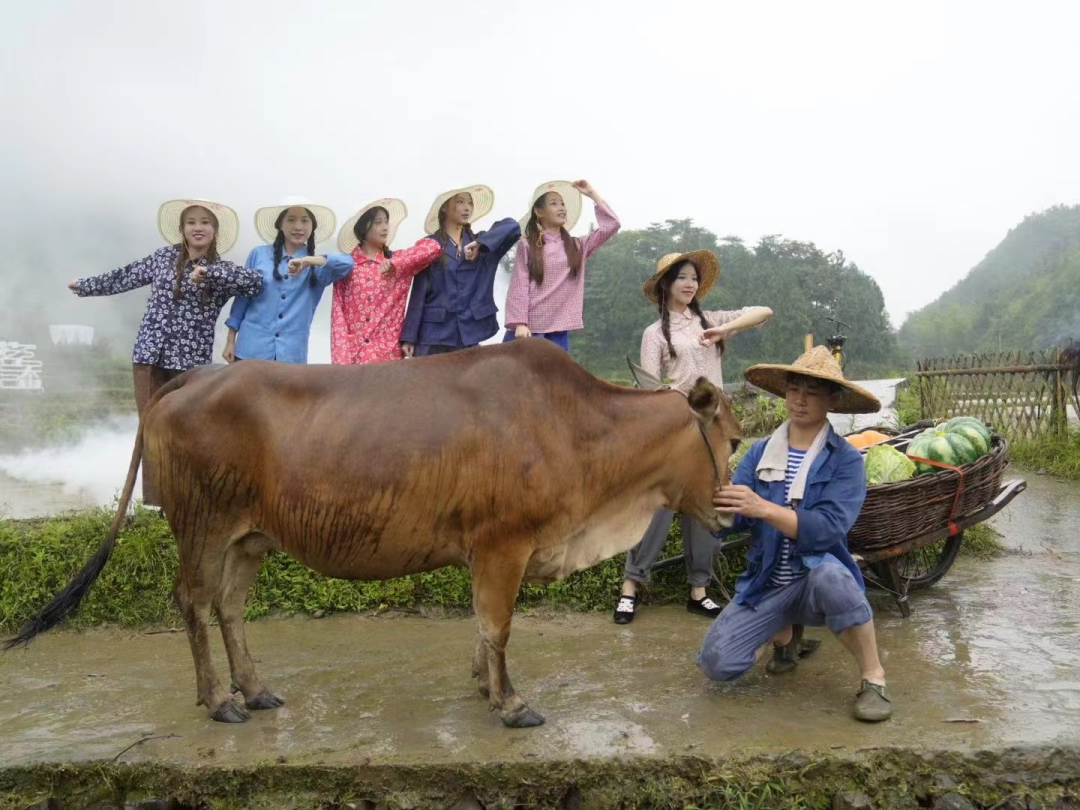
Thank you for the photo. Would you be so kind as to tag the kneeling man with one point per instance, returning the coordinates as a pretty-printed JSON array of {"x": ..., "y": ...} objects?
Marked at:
[{"x": 799, "y": 492}]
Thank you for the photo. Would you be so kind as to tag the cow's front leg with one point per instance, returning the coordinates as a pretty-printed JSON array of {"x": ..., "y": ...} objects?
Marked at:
[
  {"x": 480, "y": 665},
  {"x": 496, "y": 581}
]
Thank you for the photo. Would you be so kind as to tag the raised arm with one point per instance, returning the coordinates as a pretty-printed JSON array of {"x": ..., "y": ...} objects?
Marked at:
[
  {"x": 228, "y": 278},
  {"x": 409, "y": 261},
  {"x": 498, "y": 240},
  {"x": 607, "y": 224},
  {"x": 129, "y": 277},
  {"x": 729, "y": 322}
]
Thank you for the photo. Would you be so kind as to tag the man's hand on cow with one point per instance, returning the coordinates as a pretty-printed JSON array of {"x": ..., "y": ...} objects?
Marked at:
[
  {"x": 408, "y": 349},
  {"x": 742, "y": 501},
  {"x": 715, "y": 334},
  {"x": 387, "y": 267},
  {"x": 522, "y": 332},
  {"x": 296, "y": 265},
  {"x": 472, "y": 250}
]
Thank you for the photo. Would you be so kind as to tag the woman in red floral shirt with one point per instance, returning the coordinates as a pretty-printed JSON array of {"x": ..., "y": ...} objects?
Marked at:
[{"x": 368, "y": 307}]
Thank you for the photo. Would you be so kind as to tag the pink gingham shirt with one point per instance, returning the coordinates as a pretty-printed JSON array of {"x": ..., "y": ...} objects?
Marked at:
[
  {"x": 693, "y": 360},
  {"x": 555, "y": 305}
]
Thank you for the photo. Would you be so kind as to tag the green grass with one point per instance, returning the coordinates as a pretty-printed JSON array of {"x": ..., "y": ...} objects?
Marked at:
[
  {"x": 1058, "y": 455},
  {"x": 983, "y": 542},
  {"x": 38, "y": 557}
]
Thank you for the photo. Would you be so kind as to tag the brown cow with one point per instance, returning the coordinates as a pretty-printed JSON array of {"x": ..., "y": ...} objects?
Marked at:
[{"x": 511, "y": 460}]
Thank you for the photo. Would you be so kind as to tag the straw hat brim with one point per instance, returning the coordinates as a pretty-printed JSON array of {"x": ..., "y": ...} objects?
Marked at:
[
  {"x": 483, "y": 201},
  {"x": 266, "y": 217},
  {"x": 397, "y": 211},
  {"x": 571, "y": 196},
  {"x": 774, "y": 379},
  {"x": 708, "y": 266},
  {"x": 172, "y": 231}
]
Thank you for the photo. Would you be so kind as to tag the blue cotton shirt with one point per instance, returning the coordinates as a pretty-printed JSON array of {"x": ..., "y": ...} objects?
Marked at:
[
  {"x": 834, "y": 495},
  {"x": 276, "y": 323},
  {"x": 453, "y": 301}
]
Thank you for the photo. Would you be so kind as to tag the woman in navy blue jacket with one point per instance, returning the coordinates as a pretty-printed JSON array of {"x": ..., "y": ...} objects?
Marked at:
[{"x": 452, "y": 304}]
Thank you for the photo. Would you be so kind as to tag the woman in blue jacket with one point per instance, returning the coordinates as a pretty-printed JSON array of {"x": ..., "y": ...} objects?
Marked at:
[
  {"x": 276, "y": 323},
  {"x": 452, "y": 304}
]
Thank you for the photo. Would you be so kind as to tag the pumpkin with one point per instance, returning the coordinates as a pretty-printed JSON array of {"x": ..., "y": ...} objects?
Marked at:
[{"x": 867, "y": 438}]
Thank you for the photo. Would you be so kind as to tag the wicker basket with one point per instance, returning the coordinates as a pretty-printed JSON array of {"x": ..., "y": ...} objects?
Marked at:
[{"x": 894, "y": 513}]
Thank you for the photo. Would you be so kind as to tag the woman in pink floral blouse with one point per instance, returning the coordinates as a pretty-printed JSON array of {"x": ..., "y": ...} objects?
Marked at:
[
  {"x": 368, "y": 307},
  {"x": 547, "y": 290},
  {"x": 685, "y": 343}
]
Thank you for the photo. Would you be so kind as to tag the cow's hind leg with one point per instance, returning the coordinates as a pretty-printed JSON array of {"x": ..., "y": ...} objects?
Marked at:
[
  {"x": 496, "y": 581},
  {"x": 194, "y": 595},
  {"x": 242, "y": 562},
  {"x": 480, "y": 665}
]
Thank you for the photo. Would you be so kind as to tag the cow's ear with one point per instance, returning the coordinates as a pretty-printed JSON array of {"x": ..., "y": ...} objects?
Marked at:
[{"x": 704, "y": 399}]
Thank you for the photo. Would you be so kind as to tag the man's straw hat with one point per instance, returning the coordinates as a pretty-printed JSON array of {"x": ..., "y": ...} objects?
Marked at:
[
  {"x": 396, "y": 210},
  {"x": 708, "y": 267},
  {"x": 821, "y": 365},
  {"x": 266, "y": 217},
  {"x": 483, "y": 199},
  {"x": 570, "y": 195},
  {"x": 173, "y": 232}
]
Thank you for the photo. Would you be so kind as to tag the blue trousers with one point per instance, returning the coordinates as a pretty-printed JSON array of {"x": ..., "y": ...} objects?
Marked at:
[
  {"x": 827, "y": 596},
  {"x": 560, "y": 339}
]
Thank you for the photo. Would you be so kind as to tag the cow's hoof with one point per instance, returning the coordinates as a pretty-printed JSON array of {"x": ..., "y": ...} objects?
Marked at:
[
  {"x": 229, "y": 712},
  {"x": 523, "y": 717},
  {"x": 264, "y": 700}
]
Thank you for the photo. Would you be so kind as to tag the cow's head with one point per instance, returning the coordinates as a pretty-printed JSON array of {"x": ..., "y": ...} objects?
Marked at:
[{"x": 712, "y": 411}]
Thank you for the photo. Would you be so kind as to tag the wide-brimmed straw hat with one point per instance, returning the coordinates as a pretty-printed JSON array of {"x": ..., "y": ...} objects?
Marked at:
[
  {"x": 483, "y": 201},
  {"x": 396, "y": 210},
  {"x": 821, "y": 365},
  {"x": 266, "y": 217},
  {"x": 168, "y": 221},
  {"x": 570, "y": 195},
  {"x": 708, "y": 267}
]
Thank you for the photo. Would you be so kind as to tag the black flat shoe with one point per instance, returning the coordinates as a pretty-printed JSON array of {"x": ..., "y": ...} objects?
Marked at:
[
  {"x": 624, "y": 609},
  {"x": 704, "y": 607}
]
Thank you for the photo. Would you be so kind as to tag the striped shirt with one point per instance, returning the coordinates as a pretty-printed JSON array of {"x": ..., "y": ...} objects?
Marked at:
[{"x": 782, "y": 574}]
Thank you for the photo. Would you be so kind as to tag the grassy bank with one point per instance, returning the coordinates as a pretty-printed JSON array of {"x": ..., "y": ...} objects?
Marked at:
[
  {"x": 1058, "y": 455},
  {"x": 38, "y": 558}
]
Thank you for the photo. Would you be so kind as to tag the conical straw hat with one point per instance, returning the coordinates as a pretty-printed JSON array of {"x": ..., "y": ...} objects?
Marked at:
[
  {"x": 570, "y": 195},
  {"x": 266, "y": 217},
  {"x": 708, "y": 267},
  {"x": 820, "y": 364},
  {"x": 483, "y": 201},
  {"x": 172, "y": 232},
  {"x": 346, "y": 239}
]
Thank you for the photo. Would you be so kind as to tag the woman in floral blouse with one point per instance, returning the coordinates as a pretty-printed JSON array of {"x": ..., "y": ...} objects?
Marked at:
[
  {"x": 189, "y": 284},
  {"x": 547, "y": 289},
  {"x": 680, "y": 346},
  {"x": 368, "y": 307},
  {"x": 276, "y": 323}
]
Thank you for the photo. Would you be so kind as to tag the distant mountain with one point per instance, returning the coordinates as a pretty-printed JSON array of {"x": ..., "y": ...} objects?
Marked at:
[{"x": 1024, "y": 295}]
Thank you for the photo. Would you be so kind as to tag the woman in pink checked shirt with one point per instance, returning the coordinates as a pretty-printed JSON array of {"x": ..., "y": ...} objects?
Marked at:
[
  {"x": 547, "y": 289},
  {"x": 368, "y": 307}
]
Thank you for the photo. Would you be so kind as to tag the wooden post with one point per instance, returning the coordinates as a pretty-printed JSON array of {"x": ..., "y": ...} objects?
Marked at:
[{"x": 808, "y": 343}]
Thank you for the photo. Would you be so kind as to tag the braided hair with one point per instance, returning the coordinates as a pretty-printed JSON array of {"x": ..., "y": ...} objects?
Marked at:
[
  {"x": 279, "y": 243},
  {"x": 534, "y": 236},
  {"x": 183, "y": 256},
  {"x": 695, "y": 306},
  {"x": 366, "y": 221}
]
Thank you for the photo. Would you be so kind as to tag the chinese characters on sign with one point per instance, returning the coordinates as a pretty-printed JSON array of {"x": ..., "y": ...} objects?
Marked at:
[{"x": 19, "y": 371}]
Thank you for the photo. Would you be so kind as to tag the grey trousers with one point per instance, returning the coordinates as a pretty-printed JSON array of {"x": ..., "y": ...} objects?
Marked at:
[
  {"x": 699, "y": 548},
  {"x": 827, "y": 596}
]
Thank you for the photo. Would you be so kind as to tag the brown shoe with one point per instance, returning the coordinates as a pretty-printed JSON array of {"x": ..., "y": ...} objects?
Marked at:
[{"x": 872, "y": 703}]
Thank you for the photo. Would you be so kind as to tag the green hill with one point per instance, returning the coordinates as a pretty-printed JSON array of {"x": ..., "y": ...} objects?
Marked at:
[{"x": 1024, "y": 295}]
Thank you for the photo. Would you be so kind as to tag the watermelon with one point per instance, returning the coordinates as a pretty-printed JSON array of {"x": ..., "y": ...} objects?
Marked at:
[
  {"x": 942, "y": 446},
  {"x": 967, "y": 420},
  {"x": 979, "y": 439}
]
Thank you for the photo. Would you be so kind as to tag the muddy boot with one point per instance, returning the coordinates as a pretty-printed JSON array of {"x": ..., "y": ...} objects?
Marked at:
[
  {"x": 872, "y": 703},
  {"x": 786, "y": 658}
]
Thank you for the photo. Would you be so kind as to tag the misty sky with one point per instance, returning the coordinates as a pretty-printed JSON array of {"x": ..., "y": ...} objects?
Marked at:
[{"x": 910, "y": 135}]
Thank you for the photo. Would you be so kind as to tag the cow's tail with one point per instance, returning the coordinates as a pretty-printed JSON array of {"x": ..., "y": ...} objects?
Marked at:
[{"x": 67, "y": 601}]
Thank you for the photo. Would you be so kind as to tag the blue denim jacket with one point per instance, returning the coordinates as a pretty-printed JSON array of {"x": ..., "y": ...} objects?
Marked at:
[
  {"x": 453, "y": 301},
  {"x": 834, "y": 495}
]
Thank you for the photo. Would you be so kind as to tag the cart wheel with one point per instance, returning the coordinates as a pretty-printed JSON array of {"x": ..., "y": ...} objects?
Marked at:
[{"x": 924, "y": 566}]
